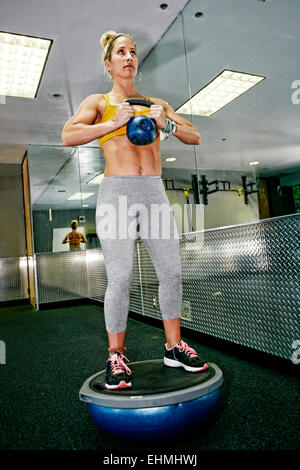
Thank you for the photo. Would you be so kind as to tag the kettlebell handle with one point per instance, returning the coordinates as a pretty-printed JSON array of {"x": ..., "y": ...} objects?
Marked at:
[{"x": 139, "y": 102}]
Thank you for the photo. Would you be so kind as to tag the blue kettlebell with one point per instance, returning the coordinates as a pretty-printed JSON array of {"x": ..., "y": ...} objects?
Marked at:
[{"x": 141, "y": 130}]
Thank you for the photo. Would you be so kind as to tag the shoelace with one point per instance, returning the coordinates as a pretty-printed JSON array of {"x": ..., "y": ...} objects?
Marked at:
[
  {"x": 118, "y": 365},
  {"x": 183, "y": 347}
]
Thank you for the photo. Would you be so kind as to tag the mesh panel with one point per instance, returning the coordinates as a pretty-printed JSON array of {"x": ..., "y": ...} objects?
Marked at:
[
  {"x": 241, "y": 282},
  {"x": 13, "y": 279},
  {"x": 61, "y": 276}
]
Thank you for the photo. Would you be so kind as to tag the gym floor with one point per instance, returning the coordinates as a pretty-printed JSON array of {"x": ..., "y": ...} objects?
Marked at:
[{"x": 50, "y": 353}]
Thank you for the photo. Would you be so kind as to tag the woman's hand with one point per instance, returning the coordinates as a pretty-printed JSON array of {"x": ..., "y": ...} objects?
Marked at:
[
  {"x": 185, "y": 131},
  {"x": 157, "y": 112},
  {"x": 122, "y": 115}
]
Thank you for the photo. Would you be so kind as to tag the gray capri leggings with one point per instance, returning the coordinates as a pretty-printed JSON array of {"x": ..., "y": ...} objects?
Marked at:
[{"x": 129, "y": 207}]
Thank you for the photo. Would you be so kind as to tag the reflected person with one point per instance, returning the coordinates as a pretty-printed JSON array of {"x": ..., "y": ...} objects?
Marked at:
[
  {"x": 74, "y": 238},
  {"x": 133, "y": 174}
]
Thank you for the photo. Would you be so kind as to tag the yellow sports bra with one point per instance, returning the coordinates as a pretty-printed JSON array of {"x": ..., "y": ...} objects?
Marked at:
[{"x": 109, "y": 114}]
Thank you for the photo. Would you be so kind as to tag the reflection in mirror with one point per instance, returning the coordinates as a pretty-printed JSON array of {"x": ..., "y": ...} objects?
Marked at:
[
  {"x": 63, "y": 200},
  {"x": 238, "y": 172},
  {"x": 91, "y": 166}
]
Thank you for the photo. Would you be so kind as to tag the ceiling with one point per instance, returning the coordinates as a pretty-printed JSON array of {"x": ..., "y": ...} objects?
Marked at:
[
  {"x": 74, "y": 68},
  {"x": 251, "y": 36},
  {"x": 179, "y": 54}
]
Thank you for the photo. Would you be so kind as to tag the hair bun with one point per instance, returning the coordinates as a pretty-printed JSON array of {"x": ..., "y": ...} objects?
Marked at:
[{"x": 106, "y": 37}]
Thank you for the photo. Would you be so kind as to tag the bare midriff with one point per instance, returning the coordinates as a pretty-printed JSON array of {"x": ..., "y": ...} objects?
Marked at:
[{"x": 122, "y": 158}]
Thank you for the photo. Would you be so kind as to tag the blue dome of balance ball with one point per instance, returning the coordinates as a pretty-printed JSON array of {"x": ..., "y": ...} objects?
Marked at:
[
  {"x": 164, "y": 402},
  {"x": 141, "y": 130}
]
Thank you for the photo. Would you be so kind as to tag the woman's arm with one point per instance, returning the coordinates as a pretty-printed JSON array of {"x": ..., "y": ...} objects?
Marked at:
[
  {"x": 185, "y": 131},
  {"x": 80, "y": 128}
]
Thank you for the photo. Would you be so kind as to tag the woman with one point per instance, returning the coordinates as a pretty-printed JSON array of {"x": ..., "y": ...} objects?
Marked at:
[
  {"x": 74, "y": 238},
  {"x": 133, "y": 174}
]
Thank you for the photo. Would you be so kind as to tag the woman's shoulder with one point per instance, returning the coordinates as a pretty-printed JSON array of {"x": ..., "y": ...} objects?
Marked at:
[
  {"x": 159, "y": 101},
  {"x": 156, "y": 100},
  {"x": 97, "y": 98},
  {"x": 96, "y": 101}
]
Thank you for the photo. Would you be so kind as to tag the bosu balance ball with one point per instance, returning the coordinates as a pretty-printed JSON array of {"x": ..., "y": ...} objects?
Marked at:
[{"x": 163, "y": 402}]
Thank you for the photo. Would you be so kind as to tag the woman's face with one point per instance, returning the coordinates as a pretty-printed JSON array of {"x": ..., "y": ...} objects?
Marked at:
[{"x": 124, "y": 61}]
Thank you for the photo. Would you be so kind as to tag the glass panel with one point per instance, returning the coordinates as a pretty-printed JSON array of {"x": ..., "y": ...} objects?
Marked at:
[
  {"x": 214, "y": 176},
  {"x": 165, "y": 75},
  {"x": 57, "y": 199},
  {"x": 253, "y": 135},
  {"x": 91, "y": 166},
  {"x": 227, "y": 184},
  {"x": 233, "y": 187}
]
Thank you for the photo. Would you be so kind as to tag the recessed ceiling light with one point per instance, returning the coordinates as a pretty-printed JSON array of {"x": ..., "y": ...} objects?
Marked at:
[
  {"x": 254, "y": 163},
  {"x": 58, "y": 96},
  {"x": 79, "y": 196},
  {"x": 163, "y": 6},
  {"x": 97, "y": 179},
  {"x": 223, "y": 89},
  {"x": 22, "y": 62}
]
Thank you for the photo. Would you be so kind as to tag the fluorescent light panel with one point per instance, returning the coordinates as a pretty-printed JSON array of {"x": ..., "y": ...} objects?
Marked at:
[
  {"x": 22, "y": 62},
  {"x": 97, "y": 179},
  {"x": 79, "y": 196},
  {"x": 227, "y": 86}
]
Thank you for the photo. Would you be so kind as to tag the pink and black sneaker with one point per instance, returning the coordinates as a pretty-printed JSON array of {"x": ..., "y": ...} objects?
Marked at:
[
  {"x": 117, "y": 372},
  {"x": 182, "y": 355}
]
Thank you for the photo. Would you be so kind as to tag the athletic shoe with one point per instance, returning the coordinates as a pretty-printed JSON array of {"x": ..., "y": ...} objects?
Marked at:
[
  {"x": 181, "y": 355},
  {"x": 117, "y": 372}
]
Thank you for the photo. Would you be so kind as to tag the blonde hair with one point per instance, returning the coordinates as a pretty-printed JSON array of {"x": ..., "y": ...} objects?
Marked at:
[
  {"x": 107, "y": 40},
  {"x": 74, "y": 224}
]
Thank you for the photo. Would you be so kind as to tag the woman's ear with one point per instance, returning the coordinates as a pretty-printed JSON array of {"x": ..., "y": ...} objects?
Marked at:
[{"x": 106, "y": 62}]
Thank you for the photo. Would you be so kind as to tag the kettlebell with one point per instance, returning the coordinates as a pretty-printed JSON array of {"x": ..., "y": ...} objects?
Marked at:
[{"x": 141, "y": 130}]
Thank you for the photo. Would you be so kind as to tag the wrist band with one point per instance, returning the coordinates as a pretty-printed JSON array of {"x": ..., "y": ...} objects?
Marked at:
[
  {"x": 169, "y": 129},
  {"x": 174, "y": 127}
]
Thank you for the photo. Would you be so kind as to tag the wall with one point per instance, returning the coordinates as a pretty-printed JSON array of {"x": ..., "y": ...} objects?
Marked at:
[
  {"x": 12, "y": 224},
  {"x": 223, "y": 208},
  {"x": 281, "y": 200}
]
